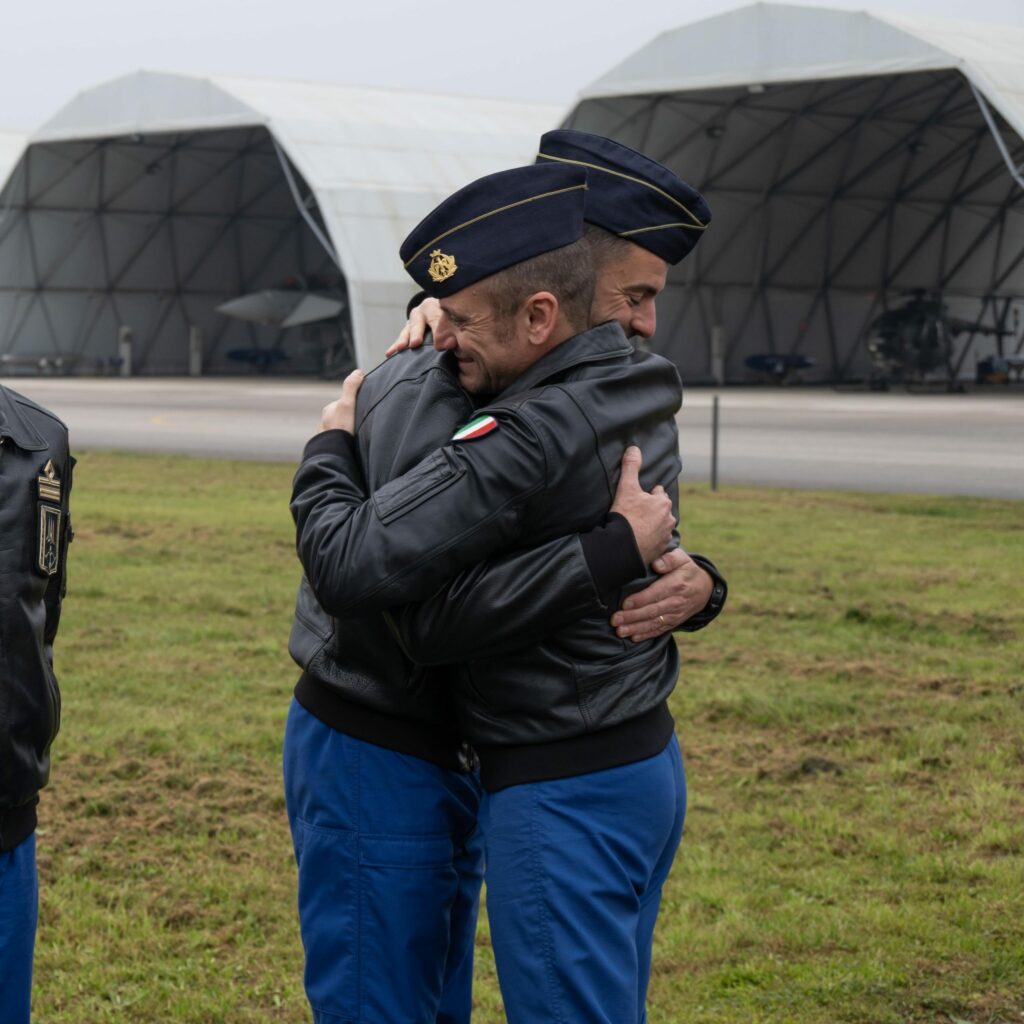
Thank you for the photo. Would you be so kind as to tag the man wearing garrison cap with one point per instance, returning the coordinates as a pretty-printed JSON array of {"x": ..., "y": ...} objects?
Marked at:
[
  {"x": 382, "y": 805},
  {"x": 641, "y": 218},
  {"x": 570, "y": 722}
]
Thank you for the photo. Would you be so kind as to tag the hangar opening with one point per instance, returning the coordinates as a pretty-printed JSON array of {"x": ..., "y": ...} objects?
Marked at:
[
  {"x": 254, "y": 221},
  {"x": 123, "y": 248},
  {"x": 865, "y": 178}
]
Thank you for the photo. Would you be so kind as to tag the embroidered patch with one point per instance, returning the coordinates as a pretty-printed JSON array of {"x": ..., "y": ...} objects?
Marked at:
[
  {"x": 49, "y": 539},
  {"x": 475, "y": 428}
]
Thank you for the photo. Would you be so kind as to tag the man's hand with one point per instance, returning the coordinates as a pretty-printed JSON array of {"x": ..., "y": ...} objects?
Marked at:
[
  {"x": 683, "y": 590},
  {"x": 427, "y": 315},
  {"x": 649, "y": 515},
  {"x": 341, "y": 415}
]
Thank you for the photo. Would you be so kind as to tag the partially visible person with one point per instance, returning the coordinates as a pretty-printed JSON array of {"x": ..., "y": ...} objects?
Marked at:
[
  {"x": 636, "y": 228},
  {"x": 35, "y": 529}
]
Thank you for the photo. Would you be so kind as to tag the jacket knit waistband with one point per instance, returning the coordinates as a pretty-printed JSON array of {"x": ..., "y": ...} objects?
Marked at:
[
  {"x": 635, "y": 740},
  {"x": 405, "y": 736},
  {"x": 16, "y": 825}
]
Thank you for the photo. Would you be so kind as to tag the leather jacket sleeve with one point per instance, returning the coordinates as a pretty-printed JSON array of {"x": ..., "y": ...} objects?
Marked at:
[
  {"x": 34, "y": 503},
  {"x": 364, "y": 555},
  {"x": 514, "y": 600}
]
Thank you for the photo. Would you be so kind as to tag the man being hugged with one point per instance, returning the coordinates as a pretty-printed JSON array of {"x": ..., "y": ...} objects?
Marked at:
[
  {"x": 382, "y": 797},
  {"x": 584, "y": 790}
]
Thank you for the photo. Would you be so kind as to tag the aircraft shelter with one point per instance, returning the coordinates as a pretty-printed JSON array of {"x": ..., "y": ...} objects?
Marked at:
[
  {"x": 149, "y": 200},
  {"x": 849, "y": 158}
]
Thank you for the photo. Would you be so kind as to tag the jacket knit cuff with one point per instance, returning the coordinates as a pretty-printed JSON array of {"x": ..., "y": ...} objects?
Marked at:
[
  {"x": 330, "y": 442},
  {"x": 716, "y": 602},
  {"x": 613, "y": 557}
]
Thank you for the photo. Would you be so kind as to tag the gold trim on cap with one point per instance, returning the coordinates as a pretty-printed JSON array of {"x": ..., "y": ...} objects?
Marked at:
[
  {"x": 697, "y": 224},
  {"x": 653, "y": 227},
  {"x": 484, "y": 216}
]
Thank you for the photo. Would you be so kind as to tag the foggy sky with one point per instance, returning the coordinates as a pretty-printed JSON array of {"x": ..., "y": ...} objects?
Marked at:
[{"x": 525, "y": 49}]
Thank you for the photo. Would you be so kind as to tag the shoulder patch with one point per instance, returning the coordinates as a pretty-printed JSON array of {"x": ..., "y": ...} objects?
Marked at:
[{"x": 475, "y": 428}]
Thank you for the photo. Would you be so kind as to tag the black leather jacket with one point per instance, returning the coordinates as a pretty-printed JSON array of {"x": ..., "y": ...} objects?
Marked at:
[
  {"x": 581, "y": 699},
  {"x": 35, "y": 529},
  {"x": 356, "y": 675}
]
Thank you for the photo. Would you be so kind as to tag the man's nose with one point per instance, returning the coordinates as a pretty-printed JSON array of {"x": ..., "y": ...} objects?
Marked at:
[
  {"x": 444, "y": 336},
  {"x": 644, "y": 322}
]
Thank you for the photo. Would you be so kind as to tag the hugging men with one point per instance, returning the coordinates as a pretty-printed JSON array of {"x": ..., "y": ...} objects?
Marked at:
[{"x": 467, "y": 527}]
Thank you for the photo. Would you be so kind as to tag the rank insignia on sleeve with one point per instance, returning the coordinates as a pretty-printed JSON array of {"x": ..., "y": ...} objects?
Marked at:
[
  {"x": 49, "y": 483},
  {"x": 475, "y": 428},
  {"x": 49, "y": 539}
]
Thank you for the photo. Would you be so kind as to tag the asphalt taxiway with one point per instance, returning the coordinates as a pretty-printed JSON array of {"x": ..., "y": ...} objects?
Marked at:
[{"x": 782, "y": 437}]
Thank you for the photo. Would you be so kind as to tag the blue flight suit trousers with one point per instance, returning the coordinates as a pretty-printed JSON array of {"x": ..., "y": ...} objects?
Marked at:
[
  {"x": 575, "y": 869},
  {"x": 19, "y": 912},
  {"x": 390, "y": 863}
]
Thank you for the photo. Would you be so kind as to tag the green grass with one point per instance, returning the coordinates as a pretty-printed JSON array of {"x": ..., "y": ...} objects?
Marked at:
[{"x": 853, "y": 729}]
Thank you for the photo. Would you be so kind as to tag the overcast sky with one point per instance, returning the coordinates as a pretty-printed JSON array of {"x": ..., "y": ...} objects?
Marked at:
[{"x": 526, "y": 49}]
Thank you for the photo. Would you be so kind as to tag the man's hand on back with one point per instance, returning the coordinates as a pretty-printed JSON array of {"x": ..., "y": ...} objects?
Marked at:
[
  {"x": 341, "y": 414},
  {"x": 649, "y": 515},
  {"x": 683, "y": 590}
]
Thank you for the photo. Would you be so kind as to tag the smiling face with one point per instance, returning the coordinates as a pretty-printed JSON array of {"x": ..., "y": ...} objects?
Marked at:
[
  {"x": 627, "y": 285},
  {"x": 491, "y": 352}
]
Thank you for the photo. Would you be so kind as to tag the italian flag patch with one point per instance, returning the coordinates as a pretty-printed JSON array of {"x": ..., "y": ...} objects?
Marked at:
[{"x": 475, "y": 428}]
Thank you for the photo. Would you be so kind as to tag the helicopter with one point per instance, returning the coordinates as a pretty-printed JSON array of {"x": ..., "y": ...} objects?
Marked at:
[{"x": 914, "y": 341}]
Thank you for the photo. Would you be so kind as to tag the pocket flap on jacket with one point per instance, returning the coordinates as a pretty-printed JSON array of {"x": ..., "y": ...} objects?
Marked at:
[{"x": 403, "y": 494}]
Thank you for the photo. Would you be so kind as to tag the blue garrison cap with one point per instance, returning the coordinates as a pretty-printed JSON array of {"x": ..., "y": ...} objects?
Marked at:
[
  {"x": 631, "y": 195},
  {"x": 493, "y": 223}
]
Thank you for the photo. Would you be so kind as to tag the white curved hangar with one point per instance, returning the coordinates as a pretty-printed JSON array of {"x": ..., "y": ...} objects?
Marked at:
[
  {"x": 148, "y": 201},
  {"x": 849, "y": 158}
]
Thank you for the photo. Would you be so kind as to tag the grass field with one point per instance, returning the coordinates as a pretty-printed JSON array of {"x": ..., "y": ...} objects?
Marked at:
[{"x": 853, "y": 728}]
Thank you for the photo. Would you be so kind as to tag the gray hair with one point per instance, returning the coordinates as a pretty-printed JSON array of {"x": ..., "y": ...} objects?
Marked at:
[
  {"x": 567, "y": 272},
  {"x": 605, "y": 247}
]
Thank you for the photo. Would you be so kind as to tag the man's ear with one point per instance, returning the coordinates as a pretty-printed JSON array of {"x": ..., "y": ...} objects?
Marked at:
[{"x": 542, "y": 314}]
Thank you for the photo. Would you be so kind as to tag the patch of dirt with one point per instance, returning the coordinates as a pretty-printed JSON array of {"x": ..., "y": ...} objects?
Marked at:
[
  {"x": 1012, "y": 847},
  {"x": 128, "y": 531},
  {"x": 945, "y": 684},
  {"x": 901, "y": 619},
  {"x": 770, "y": 611},
  {"x": 977, "y": 1008},
  {"x": 842, "y": 735},
  {"x": 816, "y": 766},
  {"x": 96, "y": 801}
]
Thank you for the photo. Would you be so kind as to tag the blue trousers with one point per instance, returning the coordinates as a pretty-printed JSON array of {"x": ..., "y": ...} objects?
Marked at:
[
  {"x": 19, "y": 912},
  {"x": 390, "y": 863},
  {"x": 575, "y": 869}
]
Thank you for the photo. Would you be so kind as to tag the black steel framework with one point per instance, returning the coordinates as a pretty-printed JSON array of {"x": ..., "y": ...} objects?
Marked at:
[
  {"x": 151, "y": 232},
  {"x": 831, "y": 199}
]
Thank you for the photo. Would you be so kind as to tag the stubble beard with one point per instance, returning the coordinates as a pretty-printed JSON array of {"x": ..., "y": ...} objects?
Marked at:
[{"x": 487, "y": 383}]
